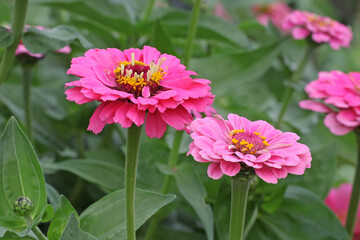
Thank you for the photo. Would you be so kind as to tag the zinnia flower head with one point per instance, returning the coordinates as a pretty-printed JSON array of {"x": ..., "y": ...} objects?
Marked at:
[
  {"x": 339, "y": 96},
  {"x": 338, "y": 201},
  {"x": 21, "y": 50},
  {"x": 274, "y": 12},
  {"x": 134, "y": 84},
  {"x": 322, "y": 29},
  {"x": 237, "y": 144}
]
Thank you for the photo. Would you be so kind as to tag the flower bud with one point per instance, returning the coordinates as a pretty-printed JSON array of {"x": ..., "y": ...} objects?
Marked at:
[{"x": 23, "y": 206}]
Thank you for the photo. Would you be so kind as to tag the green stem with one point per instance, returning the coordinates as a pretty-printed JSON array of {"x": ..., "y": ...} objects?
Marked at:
[
  {"x": 239, "y": 193},
  {"x": 295, "y": 78},
  {"x": 174, "y": 154},
  {"x": 148, "y": 10},
  {"x": 132, "y": 152},
  {"x": 192, "y": 32},
  {"x": 35, "y": 229},
  {"x": 17, "y": 26},
  {"x": 26, "y": 80},
  {"x": 355, "y": 194}
]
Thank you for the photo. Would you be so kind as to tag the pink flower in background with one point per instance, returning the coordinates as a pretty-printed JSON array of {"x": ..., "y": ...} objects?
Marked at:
[
  {"x": 21, "y": 49},
  {"x": 321, "y": 29},
  {"x": 339, "y": 96},
  {"x": 239, "y": 144},
  {"x": 135, "y": 84},
  {"x": 275, "y": 12},
  {"x": 338, "y": 201},
  {"x": 220, "y": 11}
]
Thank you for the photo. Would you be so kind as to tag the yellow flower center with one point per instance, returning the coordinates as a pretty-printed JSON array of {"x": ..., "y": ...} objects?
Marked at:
[{"x": 247, "y": 142}]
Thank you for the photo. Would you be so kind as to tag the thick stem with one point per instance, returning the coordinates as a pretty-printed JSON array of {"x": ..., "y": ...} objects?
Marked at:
[
  {"x": 35, "y": 229},
  {"x": 239, "y": 194},
  {"x": 26, "y": 82},
  {"x": 17, "y": 26},
  {"x": 355, "y": 194},
  {"x": 295, "y": 78},
  {"x": 132, "y": 152},
  {"x": 192, "y": 32},
  {"x": 174, "y": 154},
  {"x": 148, "y": 10}
]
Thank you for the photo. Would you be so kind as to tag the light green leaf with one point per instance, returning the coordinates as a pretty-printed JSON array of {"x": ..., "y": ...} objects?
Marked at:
[
  {"x": 72, "y": 230},
  {"x": 21, "y": 176},
  {"x": 52, "y": 195},
  {"x": 190, "y": 186},
  {"x": 100, "y": 172},
  {"x": 105, "y": 219},
  {"x": 58, "y": 224},
  {"x": 43, "y": 41}
]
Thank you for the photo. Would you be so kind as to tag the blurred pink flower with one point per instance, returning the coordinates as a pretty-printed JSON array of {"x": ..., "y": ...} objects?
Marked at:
[
  {"x": 322, "y": 29},
  {"x": 237, "y": 143},
  {"x": 340, "y": 95},
  {"x": 274, "y": 12},
  {"x": 21, "y": 49},
  {"x": 134, "y": 84},
  {"x": 220, "y": 11},
  {"x": 338, "y": 201}
]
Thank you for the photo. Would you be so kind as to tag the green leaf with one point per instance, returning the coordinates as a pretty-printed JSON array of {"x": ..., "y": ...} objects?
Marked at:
[
  {"x": 273, "y": 200},
  {"x": 21, "y": 176},
  {"x": 13, "y": 236},
  {"x": 301, "y": 214},
  {"x": 105, "y": 219},
  {"x": 234, "y": 68},
  {"x": 72, "y": 230},
  {"x": 58, "y": 224},
  {"x": 6, "y": 37},
  {"x": 191, "y": 188},
  {"x": 48, "y": 213},
  {"x": 52, "y": 195},
  {"x": 43, "y": 41},
  {"x": 161, "y": 40},
  {"x": 100, "y": 172}
]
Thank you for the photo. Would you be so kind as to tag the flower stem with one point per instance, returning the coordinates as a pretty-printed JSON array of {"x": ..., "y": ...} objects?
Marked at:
[
  {"x": 295, "y": 78},
  {"x": 132, "y": 152},
  {"x": 34, "y": 228},
  {"x": 192, "y": 32},
  {"x": 174, "y": 154},
  {"x": 355, "y": 194},
  {"x": 26, "y": 81},
  {"x": 148, "y": 10},
  {"x": 17, "y": 26},
  {"x": 239, "y": 193}
]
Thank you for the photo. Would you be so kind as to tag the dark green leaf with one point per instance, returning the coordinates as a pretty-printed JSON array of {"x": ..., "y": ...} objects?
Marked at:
[
  {"x": 58, "y": 224},
  {"x": 43, "y": 41},
  {"x": 161, "y": 40},
  {"x": 6, "y": 37},
  {"x": 22, "y": 176},
  {"x": 72, "y": 230},
  {"x": 52, "y": 195},
  {"x": 100, "y": 172},
  {"x": 190, "y": 186},
  {"x": 302, "y": 215},
  {"x": 105, "y": 219}
]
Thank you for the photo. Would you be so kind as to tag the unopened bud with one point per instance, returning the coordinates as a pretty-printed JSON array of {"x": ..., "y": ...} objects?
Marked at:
[{"x": 23, "y": 206}]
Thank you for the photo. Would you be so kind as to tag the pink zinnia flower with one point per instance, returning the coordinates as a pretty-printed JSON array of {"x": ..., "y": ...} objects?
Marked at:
[
  {"x": 338, "y": 201},
  {"x": 275, "y": 12},
  {"x": 340, "y": 100},
  {"x": 322, "y": 29},
  {"x": 134, "y": 84},
  {"x": 21, "y": 49},
  {"x": 239, "y": 144}
]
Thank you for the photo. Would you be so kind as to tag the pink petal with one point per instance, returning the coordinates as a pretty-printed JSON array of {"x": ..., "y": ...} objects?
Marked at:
[
  {"x": 230, "y": 168},
  {"x": 214, "y": 171},
  {"x": 155, "y": 126},
  {"x": 334, "y": 126},
  {"x": 300, "y": 33},
  {"x": 137, "y": 116},
  {"x": 314, "y": 106},
  {"x": 266, "y": 174},
  {"x": 95, "y": 124}
]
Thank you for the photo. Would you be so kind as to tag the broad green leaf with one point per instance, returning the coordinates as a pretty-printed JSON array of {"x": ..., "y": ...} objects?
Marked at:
[
  {"x": 13, "y": 236},
  {"x": 228, "y": 70},
  {"x": 43, "y": 41},
  {"x": 161, "y": 40},
  {"x": 113, "y": 14},
  {"x": 105, "y": 219},
  {"x": 21, "y": 176},
  {"x": 191, "y": 188},
  {"x": 273, "y": 200},
  {"x": 302, "y": 215},
  {"x": 100, "y": 172},
  {"x": 59, "y": 222},
  {"x": 48, "y": 213},
  {"x": 166, "y": 234},
  {"x": 52, "y": 195},
  {"x": 72, "y": 230},
  {"x": 6, "y": 37}
]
